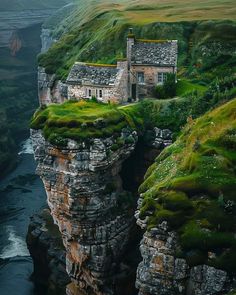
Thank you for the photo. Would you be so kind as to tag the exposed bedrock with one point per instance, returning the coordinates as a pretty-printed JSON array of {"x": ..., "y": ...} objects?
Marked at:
[
  {"x": 13, "y": 21},
  {"x": 88, "y": 203},
  {"x": 91, "y": 194},
  {"x": 162, "y": 272},
  {"x": 50, "y": 90}
]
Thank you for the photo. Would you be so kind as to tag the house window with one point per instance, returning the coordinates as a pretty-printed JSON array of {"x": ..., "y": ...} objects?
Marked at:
[
  {"x": 140, "y": 76},
  {"x": 89, "y": 93},
  {"x": 100, "y": 93},
  {"x": 161, "y": 77}
]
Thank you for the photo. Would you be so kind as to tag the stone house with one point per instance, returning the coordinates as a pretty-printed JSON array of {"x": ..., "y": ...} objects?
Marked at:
[
  {"x": 105, "y": 82},
  {"x": 146, "y": 65}
]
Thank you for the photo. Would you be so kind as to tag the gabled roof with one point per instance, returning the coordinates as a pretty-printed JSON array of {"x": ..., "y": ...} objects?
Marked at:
[
  {"x": 155, "y": 52},
  {"x": 95, "y": 74}
]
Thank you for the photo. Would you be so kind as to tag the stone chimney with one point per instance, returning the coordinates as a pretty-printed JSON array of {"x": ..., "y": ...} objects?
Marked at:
[{"x": 130, "y": 43}]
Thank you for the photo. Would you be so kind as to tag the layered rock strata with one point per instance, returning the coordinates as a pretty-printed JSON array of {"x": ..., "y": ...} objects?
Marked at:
[
  {"x": 162, "y": 272},
  {"x": 88, "y": 203}
]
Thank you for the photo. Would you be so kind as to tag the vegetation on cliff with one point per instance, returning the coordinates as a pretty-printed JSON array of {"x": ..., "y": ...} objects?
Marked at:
[
  {"x": 192, "y": 185},
  {"x": 89, "y": 119},
  {"x": 84, "y": 120}
]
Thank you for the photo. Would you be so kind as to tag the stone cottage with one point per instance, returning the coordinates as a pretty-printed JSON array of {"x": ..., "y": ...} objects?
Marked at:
[
  {"x": 105, "y": 82},
  {"x": 146, "y": 65}
]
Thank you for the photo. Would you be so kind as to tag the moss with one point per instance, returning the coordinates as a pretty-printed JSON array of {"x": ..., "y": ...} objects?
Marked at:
[{"x": 84, "y": 120}]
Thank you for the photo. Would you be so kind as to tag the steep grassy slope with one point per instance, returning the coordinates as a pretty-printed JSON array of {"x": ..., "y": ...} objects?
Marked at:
[
  {"x": 96, "y": 31},
  {"x": 192, "y": 185}
]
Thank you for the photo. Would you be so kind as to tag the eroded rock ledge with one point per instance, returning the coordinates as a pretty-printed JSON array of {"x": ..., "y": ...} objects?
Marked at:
[
  {"x": 94, "y": 213},
  {"x": 162, "y": 272},
  {"x": 88, "y": 203}
]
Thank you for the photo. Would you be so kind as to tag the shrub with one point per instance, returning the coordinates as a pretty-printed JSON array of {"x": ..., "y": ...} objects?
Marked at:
[
  {"x": 115, "y": 147},
  {"x": 168, "y": 89}
]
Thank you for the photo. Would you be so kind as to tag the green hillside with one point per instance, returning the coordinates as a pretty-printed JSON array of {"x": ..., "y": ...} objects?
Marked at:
[
  {"x": 192, "y": 185},
  {"x": 96, "y": 31}
]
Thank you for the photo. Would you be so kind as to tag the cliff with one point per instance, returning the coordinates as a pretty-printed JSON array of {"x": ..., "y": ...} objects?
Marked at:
[
  {"x": 187, "y": 207},
  {"x": 186, "y": 204},
  {"x": 88, "y": 204},
  {"x": 86, "y": 186},
  {"x": 88, "y": 156}
]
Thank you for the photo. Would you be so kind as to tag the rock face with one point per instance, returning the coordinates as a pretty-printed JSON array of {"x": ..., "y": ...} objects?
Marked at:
[
  {"x": 162, "y": 273},
  {"x": 47, "y": 250},
  {"x": 13, "y": 21},
  {"x": 50, "y": 90},
  {"x": 89, "y": 205}
]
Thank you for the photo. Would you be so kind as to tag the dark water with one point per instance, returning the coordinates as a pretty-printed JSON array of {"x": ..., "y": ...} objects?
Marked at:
[{"x": 21, "y": 195}]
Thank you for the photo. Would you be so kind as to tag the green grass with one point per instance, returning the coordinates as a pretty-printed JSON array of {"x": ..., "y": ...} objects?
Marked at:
[
  {"x": 192, "y": 185},
  {"x": 87, "y": 119},
  {"x": 185, "y": 87},
  {"x": 84, "y": 120}
]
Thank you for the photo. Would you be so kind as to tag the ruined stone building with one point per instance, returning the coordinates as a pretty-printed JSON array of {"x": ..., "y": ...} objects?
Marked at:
[{"x": 146, "y": 65}]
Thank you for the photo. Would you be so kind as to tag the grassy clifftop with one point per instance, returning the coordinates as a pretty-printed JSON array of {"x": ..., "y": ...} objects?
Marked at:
[
  {"x": 88, "y": 119},
  {"x": 84, "y": 120},
  {"x": 192, "y": 185}
]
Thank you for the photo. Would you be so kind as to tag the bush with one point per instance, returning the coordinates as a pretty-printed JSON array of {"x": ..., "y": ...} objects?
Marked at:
[{"x": 168, "y": 89}]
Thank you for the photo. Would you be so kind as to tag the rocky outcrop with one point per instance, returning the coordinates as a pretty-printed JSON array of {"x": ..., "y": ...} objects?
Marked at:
[
  {"x": 47, "y": 250},
  {"x": 47, "y": 39},
  {"x": 13, "y": 21},
  {"x": 162, "y": 272},
  {"x": 50, "y": 90},
  {"x": 88, "y": 203}
]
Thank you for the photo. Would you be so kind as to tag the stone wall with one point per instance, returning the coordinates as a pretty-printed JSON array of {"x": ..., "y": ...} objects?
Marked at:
[
  {"x": 150, "y": 78},
  {"x": 117, "y": 93}
]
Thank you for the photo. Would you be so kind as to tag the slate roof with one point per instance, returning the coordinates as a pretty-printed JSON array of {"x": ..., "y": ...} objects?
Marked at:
[
  {"x": 158, "y": 53},
  {"x": 82, "y": 73}
]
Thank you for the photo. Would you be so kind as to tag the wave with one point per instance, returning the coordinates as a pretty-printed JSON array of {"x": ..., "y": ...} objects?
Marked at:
[
  {"x": 26, "y": 147},
  {"x": 16, "y": 247}
]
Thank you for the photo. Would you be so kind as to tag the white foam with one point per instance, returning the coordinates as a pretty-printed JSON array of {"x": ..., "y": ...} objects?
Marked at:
[
  {"x": 26, "y": 147},
  {"x": 16, "y": 247}
]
